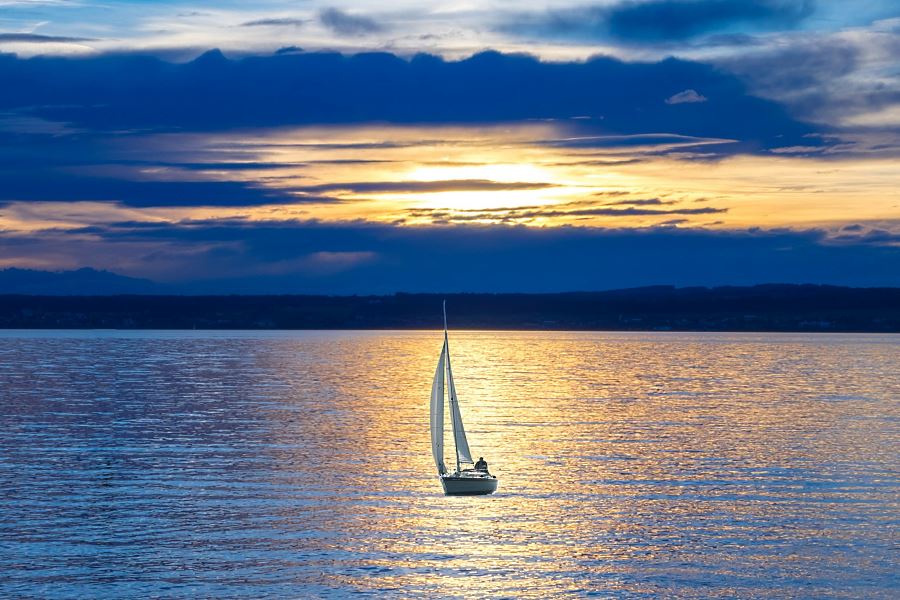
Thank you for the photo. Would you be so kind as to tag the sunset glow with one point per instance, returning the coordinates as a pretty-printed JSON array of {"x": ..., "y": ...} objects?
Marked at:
[{"x": 164, "y": 157}]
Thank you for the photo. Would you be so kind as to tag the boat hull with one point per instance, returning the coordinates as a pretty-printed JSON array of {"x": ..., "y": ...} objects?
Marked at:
[{"x": 468, "y": 486}]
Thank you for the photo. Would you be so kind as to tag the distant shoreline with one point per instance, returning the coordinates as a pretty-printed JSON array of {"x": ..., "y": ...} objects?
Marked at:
[
  {"x": 9, "y": 330},
  {"x": 762, "y": 308}
]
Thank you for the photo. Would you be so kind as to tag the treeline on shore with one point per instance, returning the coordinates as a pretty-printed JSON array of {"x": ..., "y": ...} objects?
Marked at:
[{"x": 756, "y": 308}]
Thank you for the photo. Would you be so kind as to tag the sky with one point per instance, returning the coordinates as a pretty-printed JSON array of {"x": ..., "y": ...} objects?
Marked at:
[{"x": 365, "y": 147}]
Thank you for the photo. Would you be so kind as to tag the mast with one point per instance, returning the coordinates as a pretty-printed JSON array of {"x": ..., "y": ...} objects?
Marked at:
[{"x": 449, "y": 376}]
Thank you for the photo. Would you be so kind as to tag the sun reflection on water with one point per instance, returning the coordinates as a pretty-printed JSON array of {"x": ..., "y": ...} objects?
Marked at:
[
  {"x": 298, "y": 464},
  {"x": 621, "y": 458}
]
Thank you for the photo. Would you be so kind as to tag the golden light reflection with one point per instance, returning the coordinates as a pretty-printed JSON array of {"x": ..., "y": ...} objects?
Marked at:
[{"x": 620, "y": 456}]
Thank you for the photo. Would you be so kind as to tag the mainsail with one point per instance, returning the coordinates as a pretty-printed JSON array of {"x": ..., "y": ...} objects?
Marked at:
[
  {"x": 437, "y": 413},
  {"x": 463, "y": 454}
]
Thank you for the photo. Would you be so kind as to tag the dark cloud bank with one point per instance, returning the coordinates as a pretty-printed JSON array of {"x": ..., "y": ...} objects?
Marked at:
[
  {"x": 135, "y": 92},
  {"x": 127, "y": 96},
  {"x": 243, "y": 257}
]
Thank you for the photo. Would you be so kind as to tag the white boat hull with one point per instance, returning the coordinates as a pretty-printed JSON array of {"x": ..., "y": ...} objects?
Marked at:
[{"x": 468, "y": 485}]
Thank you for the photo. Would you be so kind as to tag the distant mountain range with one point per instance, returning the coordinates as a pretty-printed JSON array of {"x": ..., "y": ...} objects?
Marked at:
[
  {"x": 127, "y": 303},
  {"x": 80, "y": 282}
]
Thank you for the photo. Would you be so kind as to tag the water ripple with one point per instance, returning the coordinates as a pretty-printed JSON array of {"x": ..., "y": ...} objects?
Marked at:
[{"x": 297, "y": 464}]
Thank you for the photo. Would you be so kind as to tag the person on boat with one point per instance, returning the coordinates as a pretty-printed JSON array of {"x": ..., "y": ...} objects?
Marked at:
[{"x": 481, "y": 465}]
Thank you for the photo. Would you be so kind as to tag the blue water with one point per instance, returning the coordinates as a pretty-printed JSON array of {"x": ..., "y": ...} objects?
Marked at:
[{"x": 297, "y": 464}]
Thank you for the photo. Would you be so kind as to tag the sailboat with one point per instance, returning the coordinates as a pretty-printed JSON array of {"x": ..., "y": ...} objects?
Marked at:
[{"x": 463, "y": 480}]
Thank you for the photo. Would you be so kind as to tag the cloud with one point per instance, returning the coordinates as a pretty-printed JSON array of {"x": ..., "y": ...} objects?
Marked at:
[
  {"x": 795, "y": 68},
  {"x": 343, "y": 23},
  {"x": 335, "y": 262},
  {"x": 35, "y": 38},
  {"x": 136, "y": 92},
  {"x": 530, "y": 213},
  {"x": 221, "y": 166},
  {"x": 652, "y": 140},
  {"x": 451, "y": 185},
  {"x": 19, "y": 184},
  {"x": 841, "y": 80},
  {"x": 682, "y": 19},
  {"x": 877, "y": 236},
  {"x": 656, "y": 21},
  {"x": 628, "y": 212},
  {"x": 686, "y": 97},
  {"x": 279, "y": 22},
  {"x": 639, "y": 202}
]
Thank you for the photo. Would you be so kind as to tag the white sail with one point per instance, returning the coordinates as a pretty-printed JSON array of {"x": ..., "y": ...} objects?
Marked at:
[
  {"x": 437, "y": 413},
  {"x": 459, "y": 433}
]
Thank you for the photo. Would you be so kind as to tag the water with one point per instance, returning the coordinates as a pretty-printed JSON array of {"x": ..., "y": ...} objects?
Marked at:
[{"x": 297, "y": 464}]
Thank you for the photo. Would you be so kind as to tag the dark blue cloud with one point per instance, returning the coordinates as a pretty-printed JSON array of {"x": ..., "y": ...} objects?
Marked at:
[
  {"x": 134, "y": 92},
  {"x": 282, "y": 22},
  {"x": 682, "y": 19},
  {"x": 343, "y": 23},
  {"x": 36, "y": 38},
  {"x": 662, "y": 20},
  {"x": 48, "y": 185},
  {"x": 236, "y": 256}
]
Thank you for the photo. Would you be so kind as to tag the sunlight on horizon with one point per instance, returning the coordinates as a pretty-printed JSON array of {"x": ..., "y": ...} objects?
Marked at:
[{"x": 534, "y": 174}]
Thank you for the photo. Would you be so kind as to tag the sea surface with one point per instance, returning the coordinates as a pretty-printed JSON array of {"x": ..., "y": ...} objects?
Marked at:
[{"x": 298, "y": 465}]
